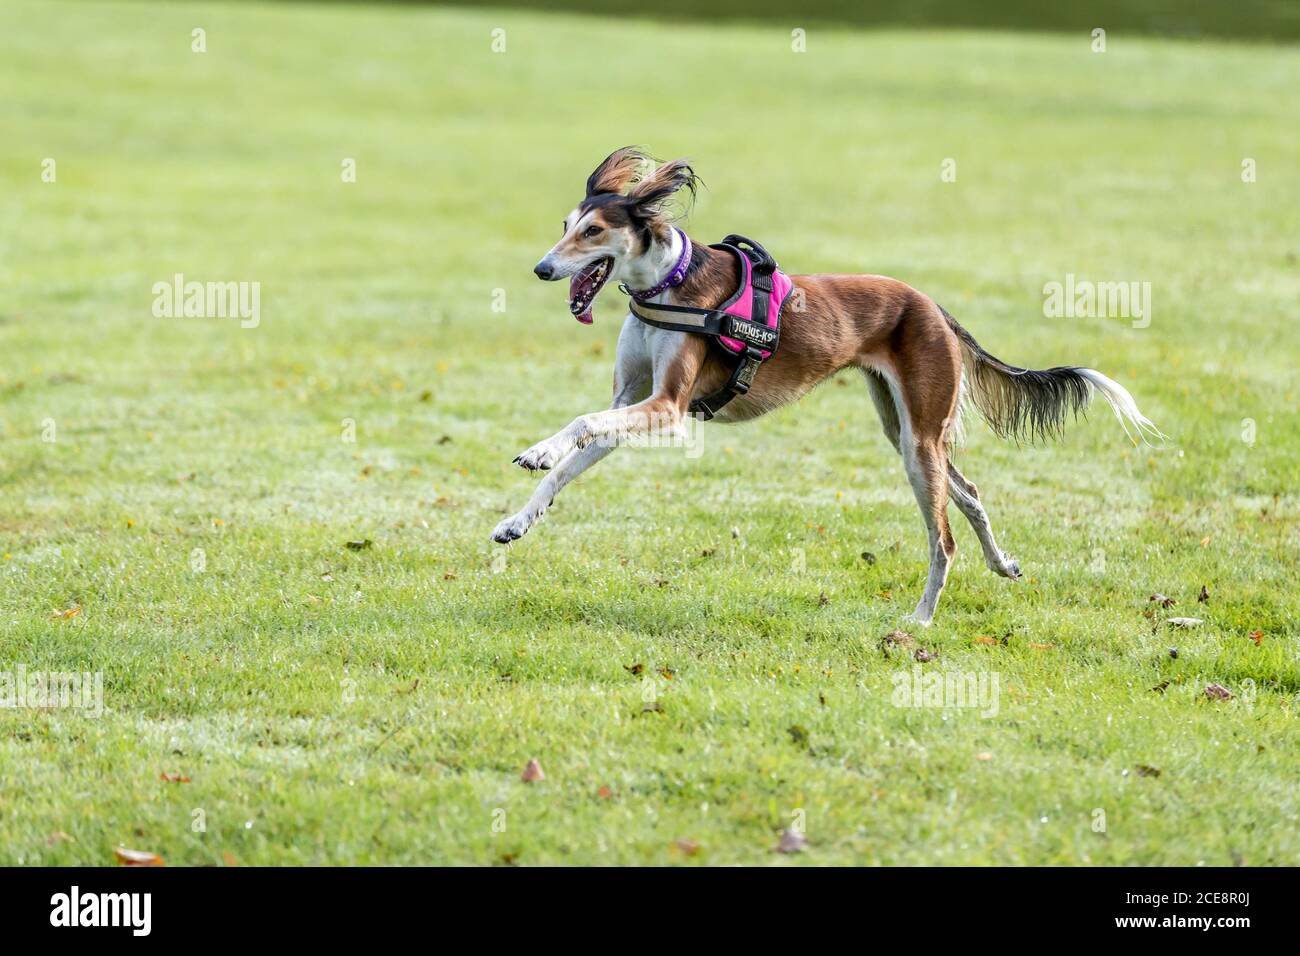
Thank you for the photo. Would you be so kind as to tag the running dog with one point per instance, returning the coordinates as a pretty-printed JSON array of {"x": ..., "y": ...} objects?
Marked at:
[{"x": 786, "y": 336}]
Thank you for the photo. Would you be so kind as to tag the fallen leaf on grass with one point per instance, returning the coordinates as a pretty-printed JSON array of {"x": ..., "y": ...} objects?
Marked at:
[
  {"x": 667, "y": 673},
  {"x": 1218, "y": 692},
  {"x": 985, "y": 639},
  {"x": 1041, "y": 647},
  {"x": 634, "y": 669},
  {"x": 532, "y": 772},
  {"x": 792, "y": 841},
  {"x": 69, "y": 613},
  {"x": 173, "y": 777},
  {"x": 983, "y": 755},
  {"x": 127, "y": 857},
  {"x": 1257, "y": 637},
  {"x": 361, "y": 545},
  {"x": 228, "y": 858},
  {"x": 1186, "y": 621},
  {"x": 605, "y": 793},
  {"x": 689, "y": 847},
  {"x": 1145, "y": 771}
]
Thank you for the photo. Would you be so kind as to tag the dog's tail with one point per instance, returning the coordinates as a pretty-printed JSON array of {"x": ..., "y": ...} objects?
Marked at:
[{"x": 1032, "y": 405}]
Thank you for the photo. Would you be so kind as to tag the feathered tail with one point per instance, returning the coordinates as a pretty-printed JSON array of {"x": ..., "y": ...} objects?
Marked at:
[{"x": 1033, "y": 405}]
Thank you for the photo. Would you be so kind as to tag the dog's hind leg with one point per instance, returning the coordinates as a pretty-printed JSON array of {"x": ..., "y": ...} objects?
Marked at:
[
  {"x": 925, "y": 458},
  {"x": 883, "y": 399},
  {"x": 917, "y": 430},
  {"x": 922, "y": 376},
  {"x": 967, "y": 498}
]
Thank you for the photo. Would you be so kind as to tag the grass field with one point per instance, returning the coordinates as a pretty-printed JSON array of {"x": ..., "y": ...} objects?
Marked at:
[{"x": 188, "y": 484}]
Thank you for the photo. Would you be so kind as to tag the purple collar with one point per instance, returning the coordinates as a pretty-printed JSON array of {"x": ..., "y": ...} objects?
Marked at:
[{"x": 674, "y": 278}]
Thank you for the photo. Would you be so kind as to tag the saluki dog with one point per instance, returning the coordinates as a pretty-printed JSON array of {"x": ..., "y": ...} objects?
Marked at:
[{"x": 917, "y": 361}]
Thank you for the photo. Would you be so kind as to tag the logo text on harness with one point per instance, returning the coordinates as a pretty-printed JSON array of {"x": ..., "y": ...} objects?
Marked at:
[{"x": 751, "y": 333}]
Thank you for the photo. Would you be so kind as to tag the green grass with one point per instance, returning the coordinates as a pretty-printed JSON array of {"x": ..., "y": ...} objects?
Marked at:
[{"x": 282, "y": 677}]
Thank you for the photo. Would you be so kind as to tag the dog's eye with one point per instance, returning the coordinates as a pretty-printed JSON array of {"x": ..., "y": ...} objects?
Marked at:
[{"x": 592, "y": 231}]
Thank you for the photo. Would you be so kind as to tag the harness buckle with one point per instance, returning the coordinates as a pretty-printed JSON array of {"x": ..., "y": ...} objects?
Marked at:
[{"x": 743, "y": 377}]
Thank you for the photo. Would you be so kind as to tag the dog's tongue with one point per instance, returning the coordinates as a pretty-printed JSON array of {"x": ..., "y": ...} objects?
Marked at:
[{"x": 580, "y": 283}]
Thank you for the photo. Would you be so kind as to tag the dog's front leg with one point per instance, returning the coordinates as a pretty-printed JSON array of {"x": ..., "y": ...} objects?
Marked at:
[
  {"x": 677, "y": 359},
  {"x": 569, "y": 468},
  {"x": 607, "y": 429},
  {"x": 632, "y": 377}
]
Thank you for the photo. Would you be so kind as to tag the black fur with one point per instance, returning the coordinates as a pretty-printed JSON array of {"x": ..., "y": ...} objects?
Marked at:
[{"x": 1021, "y": 404}]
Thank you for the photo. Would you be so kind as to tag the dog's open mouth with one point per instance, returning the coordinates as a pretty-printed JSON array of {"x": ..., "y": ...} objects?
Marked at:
[{"x": 584, "y": 286}]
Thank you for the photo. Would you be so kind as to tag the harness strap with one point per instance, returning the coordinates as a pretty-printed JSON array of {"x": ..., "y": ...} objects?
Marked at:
[
  {"x": 758, "y": 339},
  {"x": 678, "y": 318}
]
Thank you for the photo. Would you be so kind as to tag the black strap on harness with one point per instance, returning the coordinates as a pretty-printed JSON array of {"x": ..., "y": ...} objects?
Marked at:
[{"x": 716, "y": 323}]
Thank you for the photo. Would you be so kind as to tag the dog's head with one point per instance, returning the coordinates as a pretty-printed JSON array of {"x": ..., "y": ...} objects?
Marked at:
[{"x": 622, "y": 217}]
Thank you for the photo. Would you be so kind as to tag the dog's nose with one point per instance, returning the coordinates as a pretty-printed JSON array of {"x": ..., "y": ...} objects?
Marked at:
[{"x": 543, "y": 271}]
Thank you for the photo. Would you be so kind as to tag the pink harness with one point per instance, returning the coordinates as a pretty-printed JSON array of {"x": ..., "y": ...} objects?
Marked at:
[{"x": 747, "y": 325}]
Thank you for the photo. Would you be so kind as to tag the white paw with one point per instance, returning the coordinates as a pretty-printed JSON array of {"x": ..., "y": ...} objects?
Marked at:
[
  {"x": 1008, "y": 568},
  {"x": 540, "y": 457},
  {"x": 516, "y": 526}
]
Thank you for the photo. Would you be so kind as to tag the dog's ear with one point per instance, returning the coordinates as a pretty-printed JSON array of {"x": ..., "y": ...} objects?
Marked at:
[
  {"x": 655, "y": 189},
  {"x": 620, "y": 169}
]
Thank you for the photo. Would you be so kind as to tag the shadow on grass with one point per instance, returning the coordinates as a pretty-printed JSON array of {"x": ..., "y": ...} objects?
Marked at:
[{"x": 1265, "y": 20}]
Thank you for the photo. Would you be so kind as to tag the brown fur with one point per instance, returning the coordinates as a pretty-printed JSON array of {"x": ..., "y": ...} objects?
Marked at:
[{"x": 831, "y": 323}]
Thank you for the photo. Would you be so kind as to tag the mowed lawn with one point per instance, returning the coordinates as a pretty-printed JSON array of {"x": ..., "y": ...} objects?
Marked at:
[{"x": 690, "y": 645}]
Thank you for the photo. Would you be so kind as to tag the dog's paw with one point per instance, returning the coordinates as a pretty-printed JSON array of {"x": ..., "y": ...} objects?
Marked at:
[
  {"x": 1008, "y": 567},
  {"x": 540, "y": 457},
  {"x": 516, "y": 526}
]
